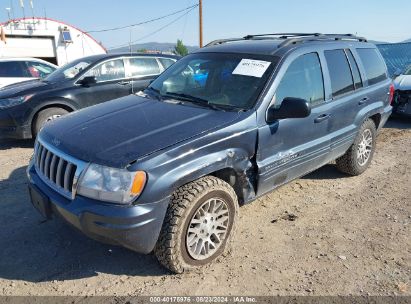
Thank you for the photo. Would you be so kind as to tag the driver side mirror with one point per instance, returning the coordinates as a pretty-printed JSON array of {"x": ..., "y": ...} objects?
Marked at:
[
  {"x": 290, "y": 108},
  {"x": 88, "y": 80}
]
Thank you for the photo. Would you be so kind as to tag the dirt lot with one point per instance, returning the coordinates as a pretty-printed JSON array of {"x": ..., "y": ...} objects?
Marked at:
[{"x": 324, "y": 234}]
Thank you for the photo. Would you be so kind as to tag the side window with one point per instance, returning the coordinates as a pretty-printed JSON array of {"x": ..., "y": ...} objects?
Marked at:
[
  {"x": 374, "y": 66},
  {"x": 39, "y": 70},
  {"x": 354, "y": 69},
  {"x": 109, "y": 70},
  {"x": 303, "y": 79},
  {"x": 340, "y": 73},
  {"x": 166, "y": 62},
  {"x": 143, "y": 67},
  {"x": 13, "y": 69}
]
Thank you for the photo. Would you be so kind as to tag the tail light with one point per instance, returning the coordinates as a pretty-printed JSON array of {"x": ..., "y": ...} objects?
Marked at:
[{"x": 391, "y": 93}]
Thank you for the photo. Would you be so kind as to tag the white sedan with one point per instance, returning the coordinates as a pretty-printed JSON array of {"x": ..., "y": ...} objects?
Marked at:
[{"x": 14, "y": 70}]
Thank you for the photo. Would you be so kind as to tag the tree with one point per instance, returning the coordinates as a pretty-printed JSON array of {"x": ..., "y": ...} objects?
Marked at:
[{"x": 180, "y": 48}]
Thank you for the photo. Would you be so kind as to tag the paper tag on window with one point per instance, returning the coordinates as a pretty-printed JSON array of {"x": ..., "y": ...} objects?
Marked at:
[{"x": 250, "y": 67}]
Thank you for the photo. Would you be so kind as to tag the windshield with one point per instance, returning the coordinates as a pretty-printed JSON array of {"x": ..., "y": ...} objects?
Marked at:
[
  {"x": 408, "y": 71},
  {"x": 69, "y": 70},
  {"x": 230, "y": 81}
]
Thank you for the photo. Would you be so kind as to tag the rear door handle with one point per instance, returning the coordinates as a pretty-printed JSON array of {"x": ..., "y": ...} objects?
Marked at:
[
  {"x": 322, "y": 117},
  {"x": 124, "y": 82},
  {"x": 363, "y": 100}
]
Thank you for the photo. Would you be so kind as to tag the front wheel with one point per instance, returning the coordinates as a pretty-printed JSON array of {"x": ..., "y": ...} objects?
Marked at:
[
  {"x": 358, "y": 157},
  {"x": 198, "y": 225},
  {"x": 45, "y": 116}
]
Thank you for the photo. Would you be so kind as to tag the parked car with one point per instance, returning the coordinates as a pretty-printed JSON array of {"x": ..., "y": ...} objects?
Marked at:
[
  {"x": 14, "y": 70},
  {"x": 168, "y": 169},
  {"x": 27, "y": 106},
  {"x": 402, "y": 97}
]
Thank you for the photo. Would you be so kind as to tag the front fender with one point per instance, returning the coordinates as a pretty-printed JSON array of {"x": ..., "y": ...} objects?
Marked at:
[
  {"x": 236, "y": 159},
  {"x": 231, "y": 148}
]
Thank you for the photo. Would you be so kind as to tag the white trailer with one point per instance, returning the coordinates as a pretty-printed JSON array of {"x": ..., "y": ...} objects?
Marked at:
[{"x": 47, "y": 39}]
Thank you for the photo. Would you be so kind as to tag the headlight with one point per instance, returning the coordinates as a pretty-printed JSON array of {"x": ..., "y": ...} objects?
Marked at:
[
  {"x": 13, "y": 101},
  {"x": 111, "y": 184}
]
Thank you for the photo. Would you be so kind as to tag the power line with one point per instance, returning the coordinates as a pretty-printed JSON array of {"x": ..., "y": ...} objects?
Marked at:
[
  {"x": 144, "y": 22},
  {"x": 156, "y": 31}
]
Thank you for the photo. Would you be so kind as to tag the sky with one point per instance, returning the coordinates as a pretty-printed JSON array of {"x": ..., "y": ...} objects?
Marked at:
[{"x": 380, "y": 20}]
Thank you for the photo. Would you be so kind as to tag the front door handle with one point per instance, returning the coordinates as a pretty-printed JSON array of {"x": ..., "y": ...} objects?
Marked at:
[
  {"x": 363, "y": 100},
  {"x": 124, "y": 82},
  {"x": 322, "y": 117}
]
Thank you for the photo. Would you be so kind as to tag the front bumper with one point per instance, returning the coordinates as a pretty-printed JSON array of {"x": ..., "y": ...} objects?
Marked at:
[
  {"x": 135, "y": 227},
  {"x": 402, "y": 104},
  {"x": 16, "y": 132},
  {"x": 11, "y": 128}
]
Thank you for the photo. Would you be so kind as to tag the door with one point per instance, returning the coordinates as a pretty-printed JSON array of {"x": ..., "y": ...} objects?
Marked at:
[
  {"x": 111, "y": 83},
  {"x": 347, "y": 98},
  {"x": 289, "y": 148},
  {"x": 141, "y": 71}
]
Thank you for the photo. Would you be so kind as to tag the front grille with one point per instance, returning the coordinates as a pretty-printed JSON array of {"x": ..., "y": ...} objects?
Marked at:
[{"x": 55, "y": 169}]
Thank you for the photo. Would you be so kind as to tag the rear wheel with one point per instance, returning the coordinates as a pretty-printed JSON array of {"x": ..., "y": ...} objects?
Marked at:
[
  {"x": 198, "y": 225},
  {"x": 45, "y": 116},
  {"x": 358, "y": 157}
]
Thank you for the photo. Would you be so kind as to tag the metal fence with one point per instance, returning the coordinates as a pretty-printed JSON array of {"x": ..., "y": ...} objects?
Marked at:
[{"x": 397, "y": 56}]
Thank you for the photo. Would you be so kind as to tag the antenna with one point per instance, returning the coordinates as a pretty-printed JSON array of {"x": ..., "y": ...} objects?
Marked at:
[
  {"x": 45, "y": 17},
  {"x": 24, "y": 12},
  {"x": 129, "y": 42},
  {"x": 12, "y": 9},
  {"x": 32, "y": 12},
  {"x": 8, "y": 13},
  {"x": 132, "y": 82}
]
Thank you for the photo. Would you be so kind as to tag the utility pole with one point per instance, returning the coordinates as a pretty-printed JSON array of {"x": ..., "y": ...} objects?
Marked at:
[{"x": 200, "y": 11}]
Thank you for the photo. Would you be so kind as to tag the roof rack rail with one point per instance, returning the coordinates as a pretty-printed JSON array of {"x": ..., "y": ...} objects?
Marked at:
[
  {"x": 221, "y": 41},
  {"x": 292, "y": 38},
  {"x": 320, "y": 37},
  {"x": 282, "y": 35}
]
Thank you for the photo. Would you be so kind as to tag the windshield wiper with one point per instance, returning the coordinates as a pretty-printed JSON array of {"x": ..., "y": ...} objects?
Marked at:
[
  {"x": 158, "y": 95},
  {"x": 193, "y": 99}
]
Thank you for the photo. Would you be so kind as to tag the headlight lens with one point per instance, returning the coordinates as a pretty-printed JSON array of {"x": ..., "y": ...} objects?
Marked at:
[
  {"x": 13, "y": 101},
  {"x": 111, "y": 184}
]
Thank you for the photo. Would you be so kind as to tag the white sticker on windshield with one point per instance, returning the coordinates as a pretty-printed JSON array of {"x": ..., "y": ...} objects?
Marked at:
[{"x": 250, "y": 67}]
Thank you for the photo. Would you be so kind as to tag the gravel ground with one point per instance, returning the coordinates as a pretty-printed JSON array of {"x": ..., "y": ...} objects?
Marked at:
[{"x": 324, "y": 234}]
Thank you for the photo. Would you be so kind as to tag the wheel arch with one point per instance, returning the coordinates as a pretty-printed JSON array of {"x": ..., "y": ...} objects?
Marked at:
[
  {"x": 238, "y": 174},
  {"x": 50, "y": 104},
  {"x": 376, "y": 118}
]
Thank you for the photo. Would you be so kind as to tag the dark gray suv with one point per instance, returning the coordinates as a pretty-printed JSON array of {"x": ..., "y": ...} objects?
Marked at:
[{"x": 166, "y": 169}]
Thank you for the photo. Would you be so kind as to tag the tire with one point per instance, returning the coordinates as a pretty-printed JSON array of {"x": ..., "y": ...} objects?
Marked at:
[
  {"x": 173, "y": 248},
  {"x": 45, "y": 116},
  {"x": 351, "y": 162}
]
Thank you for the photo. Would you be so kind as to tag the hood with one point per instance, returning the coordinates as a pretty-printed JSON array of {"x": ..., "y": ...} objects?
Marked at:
[
  {"x": 123, "y": 130},
  {"x": 403, "y": 82},
  {"x": 24, "y": 88}
]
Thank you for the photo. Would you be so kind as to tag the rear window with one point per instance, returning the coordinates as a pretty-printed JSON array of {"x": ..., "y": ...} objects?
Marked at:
[
  {"x": 166, "y": 62},
  {"x": 340, "y": 73},
  {"x": 374, "y": 66},
  {"x": 144, "y": 66},
  {"x": 13, "y": 69}
]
